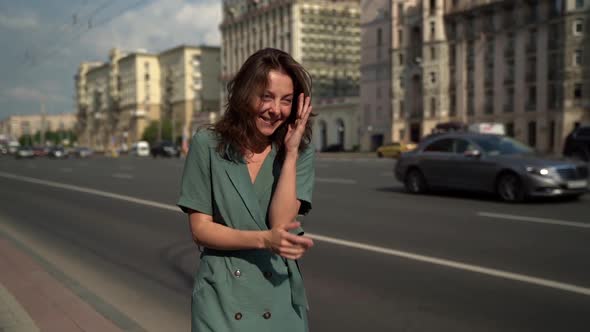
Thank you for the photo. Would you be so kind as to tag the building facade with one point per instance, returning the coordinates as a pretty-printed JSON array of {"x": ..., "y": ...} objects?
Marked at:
[
  {"x": 520, "y": 63},
  {"x": 375, "y": 89},
  {"x": 324, "y": 36},
  {"x": 119, "y": 99},
  {"x": 15, "y": 126}
]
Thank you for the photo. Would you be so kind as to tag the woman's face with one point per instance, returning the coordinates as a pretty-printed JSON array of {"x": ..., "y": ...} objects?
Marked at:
[{"x": 273, "y": 105}]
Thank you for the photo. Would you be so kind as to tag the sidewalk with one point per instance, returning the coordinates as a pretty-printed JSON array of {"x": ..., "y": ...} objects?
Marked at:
[{"x": 32, "y": 300}]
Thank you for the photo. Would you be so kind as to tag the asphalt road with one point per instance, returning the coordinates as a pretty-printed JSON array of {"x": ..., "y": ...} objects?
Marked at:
[{"x": 384, "y": 260}]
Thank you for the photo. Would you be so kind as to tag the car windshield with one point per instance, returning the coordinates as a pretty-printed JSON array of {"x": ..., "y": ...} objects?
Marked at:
[{"x": 501, "y": 145}]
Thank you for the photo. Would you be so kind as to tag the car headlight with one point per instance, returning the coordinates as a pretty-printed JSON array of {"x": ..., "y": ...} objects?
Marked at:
[{"x": 538, "y": 171}]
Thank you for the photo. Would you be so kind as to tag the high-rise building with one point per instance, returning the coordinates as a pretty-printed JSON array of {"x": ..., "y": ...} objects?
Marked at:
[
  {"x": 324, "y": 36},
  {"x": 119, "y": 99},
  {"x": 520, "y": 63},
  {"x": 375, "y": 97}
]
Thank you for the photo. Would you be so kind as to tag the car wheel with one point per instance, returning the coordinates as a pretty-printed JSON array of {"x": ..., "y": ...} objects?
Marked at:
[
  {"x": 510, "y": 188},
  {"x": 415, "y": 182}
]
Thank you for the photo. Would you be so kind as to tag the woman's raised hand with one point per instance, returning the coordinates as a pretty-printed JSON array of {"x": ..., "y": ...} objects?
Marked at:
[{"x": 296, "y": 130}]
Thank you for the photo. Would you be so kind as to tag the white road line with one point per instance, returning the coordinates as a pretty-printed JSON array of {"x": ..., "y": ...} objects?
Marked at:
[
  {"x": 335, "y": 180},
  {"x": 356, "y": 245},
  {"x": 123, "y": 176},
  {"x": 458, "y": 265},
  {"x": 533, "y": 219},
  {"x": 90, "y": 191},
  {"x": 66, "y": 170}
]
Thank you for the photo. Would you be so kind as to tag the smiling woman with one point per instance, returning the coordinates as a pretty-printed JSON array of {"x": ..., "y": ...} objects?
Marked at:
[{"x": 245, "y": 181}]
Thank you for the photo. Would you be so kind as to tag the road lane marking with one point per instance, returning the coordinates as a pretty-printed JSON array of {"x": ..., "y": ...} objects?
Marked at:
[
  {"x": 335, "y": 180},
  {"x": 345, "y": 243},
  {"x": 122, "y": 176},
  {"x": 457, "y": 265},
  {"x": 533, "y": 219},
  {"x": 90, "y": 191}
]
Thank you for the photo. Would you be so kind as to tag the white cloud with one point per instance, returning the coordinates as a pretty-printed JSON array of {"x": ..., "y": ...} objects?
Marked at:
[
  {"x": 160, "y": 25},
  {"x": 26, "y": 21},
  {"x": 21, "y": 93}
]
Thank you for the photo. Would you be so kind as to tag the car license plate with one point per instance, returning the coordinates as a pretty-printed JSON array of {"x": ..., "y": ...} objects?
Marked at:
[{"x": 577, "y": 184}]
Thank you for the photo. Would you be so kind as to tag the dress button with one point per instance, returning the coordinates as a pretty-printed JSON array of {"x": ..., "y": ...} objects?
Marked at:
[
  {"x": 266, "y": 315},
  {"x": 267, "y": 275},
  {"x": 237, "y": 273},
  {"x": 238, "y": 316}
]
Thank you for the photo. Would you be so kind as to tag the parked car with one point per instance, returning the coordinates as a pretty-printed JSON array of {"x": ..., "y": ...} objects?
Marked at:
[
  {"x": 490, "y": 163},
  {"x": 41, "y": 151},
  {"x": 24, "y": 152},
  {"x": 577, "y": 144},
  {"x": 83, "y": 152},
  {"x": 140, "y": 149},
  {"x": 393, "y": 150},
  {"x": 165, "y": 149},
  {"x": 58, "y": 152}
]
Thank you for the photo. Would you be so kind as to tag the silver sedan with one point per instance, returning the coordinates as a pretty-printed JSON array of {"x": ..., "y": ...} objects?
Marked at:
[{"x": 489, "y": 163}]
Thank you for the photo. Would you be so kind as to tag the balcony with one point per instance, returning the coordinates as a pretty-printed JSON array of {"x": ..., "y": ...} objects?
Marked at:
[
  {"x": 509, "y": 79},
  {"x": 531, "y": 48},
  {"x": 531, "y": 77}
]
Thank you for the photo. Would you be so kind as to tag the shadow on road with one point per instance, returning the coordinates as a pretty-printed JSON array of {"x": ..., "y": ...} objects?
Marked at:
[{"x": 476, "y": 196}]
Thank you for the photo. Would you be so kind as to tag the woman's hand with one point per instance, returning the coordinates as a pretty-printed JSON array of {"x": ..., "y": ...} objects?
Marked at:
[
  {"x": 296, "y": 130},
  {"x": 285, "y": 244}
]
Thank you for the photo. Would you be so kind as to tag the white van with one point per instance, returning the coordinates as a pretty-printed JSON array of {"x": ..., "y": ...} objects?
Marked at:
[{"x": 140, "y": 149}]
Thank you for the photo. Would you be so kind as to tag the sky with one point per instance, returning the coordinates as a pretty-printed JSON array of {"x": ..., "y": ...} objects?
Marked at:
[{"x": 44, "y": 41}]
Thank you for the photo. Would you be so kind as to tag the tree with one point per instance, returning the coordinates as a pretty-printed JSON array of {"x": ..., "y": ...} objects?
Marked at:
[
  {"x": 150, "y": 133},
  {"x": 53, "y": 137}
]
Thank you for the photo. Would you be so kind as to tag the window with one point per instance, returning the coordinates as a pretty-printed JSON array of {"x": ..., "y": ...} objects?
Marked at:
[
  {"x": 378, "y": 93},
  {"x": 400, "y": 13},
  {"x": 379, "y": 37},
  {"x": 433, "y": 53},
  {"x": 510, "y": 129},
  {"x": 578, "y": 91},
  {"x": 401, "y": 81},
  {"x": 432, "y": 7},
  {"x": 532, "y": 98},
  {"x": 453, "y": 105},
  {"x": 443, "y": 145},
  {"x": 432, "y": 107},
  {"x": 532, "y": 133},
  {"x": 402, "y": 111},
  {"x": 432, "y": 30},
  {"x": 401, "y": 59},
  {"x": 400, "y": 36},
  {"x": 578, "y": 57},
  {"x": 432, "y": 77},
  {"x": 551, "y": 135},
  {"x": 578, "y": 27},
  {"x": 462, "y": 145},
  {"x": 579, "y": 4}
]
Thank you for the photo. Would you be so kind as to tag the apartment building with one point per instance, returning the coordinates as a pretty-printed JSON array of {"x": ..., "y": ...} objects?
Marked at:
[
  {"x": 375, "y": 89},
  {"x": 117, "y": 100},
  {"x": 15, "y": 126},
  {"x": 322, "y": 35},
  {"x": 521, "y": 63}
]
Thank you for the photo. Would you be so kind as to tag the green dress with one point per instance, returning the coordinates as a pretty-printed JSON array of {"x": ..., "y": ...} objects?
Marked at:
[{"x": 243, "y": 290}]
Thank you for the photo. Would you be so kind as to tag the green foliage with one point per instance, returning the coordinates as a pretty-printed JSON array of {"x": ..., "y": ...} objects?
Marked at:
[
  {"x": 51, "y": 137},
  {"x": 150, "y": 133}
]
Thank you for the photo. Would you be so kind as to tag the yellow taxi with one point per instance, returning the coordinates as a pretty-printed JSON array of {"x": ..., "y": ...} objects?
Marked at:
[{"x": 394, "y": 150}]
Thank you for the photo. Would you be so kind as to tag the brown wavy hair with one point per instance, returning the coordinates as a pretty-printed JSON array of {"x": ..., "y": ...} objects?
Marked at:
[{"x": 236, "y": 131}]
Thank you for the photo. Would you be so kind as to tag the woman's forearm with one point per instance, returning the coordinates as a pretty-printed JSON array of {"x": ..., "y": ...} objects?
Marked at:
[
  {"x": 212, "y": 235},
  {"x": 284, "y": 205}
]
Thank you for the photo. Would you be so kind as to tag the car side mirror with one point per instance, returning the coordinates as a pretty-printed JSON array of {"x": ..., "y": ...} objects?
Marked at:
[{"x": 472, "y": 154}]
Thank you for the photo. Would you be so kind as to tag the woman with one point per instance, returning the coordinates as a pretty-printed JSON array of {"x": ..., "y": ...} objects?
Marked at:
[{"x": 245, "y": 180}]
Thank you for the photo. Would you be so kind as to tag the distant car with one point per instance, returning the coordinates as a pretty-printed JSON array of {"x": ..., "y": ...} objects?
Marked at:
[
  {"x": 393, "y": 150},
  {"x": 165, "y": 149},
  {"x": 58, "y": 153},
  {"x": 577, "y": 144},
  {"x": 140, "y": 149},
  {"x": 40, "y": 151},
  {"x": 24, "y": 152},
  {"x": 3, "y": 149},
  {"x": 489, "y": 163},
  {"x": 83, "y": 152},
  {"x": 333, "y": 148}
]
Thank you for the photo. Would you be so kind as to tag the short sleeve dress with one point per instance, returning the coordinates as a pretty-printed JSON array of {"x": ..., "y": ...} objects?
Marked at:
[{"x": 243, "y": 290}]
